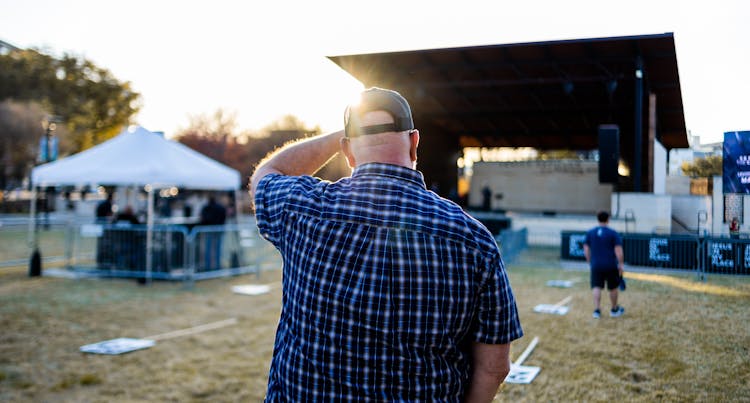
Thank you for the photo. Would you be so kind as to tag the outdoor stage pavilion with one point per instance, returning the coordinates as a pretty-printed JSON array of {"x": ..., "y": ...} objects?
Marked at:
[{"x": 546, "y": 95}]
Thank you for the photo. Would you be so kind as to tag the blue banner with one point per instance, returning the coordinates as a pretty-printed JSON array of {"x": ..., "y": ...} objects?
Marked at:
[
  {"x": 43, "y": 157},
  {"x": 736, "y": 163}
]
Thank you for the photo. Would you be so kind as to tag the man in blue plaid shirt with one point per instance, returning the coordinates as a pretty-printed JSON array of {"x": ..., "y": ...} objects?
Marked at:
[{"x": 390, "y": 292}]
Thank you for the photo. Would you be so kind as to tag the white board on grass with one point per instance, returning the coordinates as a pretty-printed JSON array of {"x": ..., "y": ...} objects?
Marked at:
[
  {"x": 126, "y": 344},
  {"x": 559, "y": 308},
  {"x": 551, "y": 309},
  {"x": 251, "y": 289},
  {"x": 560, "y": 283},
  {"x": 117, "y": 346},
  {"x": 523, "y": 373}
]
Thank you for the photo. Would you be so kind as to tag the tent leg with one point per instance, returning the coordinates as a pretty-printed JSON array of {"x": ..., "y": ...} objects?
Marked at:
[
  {"x": 149, "y": 234},
  {"x": 238, "y": 254},
  {"x": 35, "y": 263}
]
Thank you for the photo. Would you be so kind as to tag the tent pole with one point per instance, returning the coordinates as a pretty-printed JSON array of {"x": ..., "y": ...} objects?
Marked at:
[
  {"x": 149, "y": 233},
  {"x": 35, "y": 263},
  {"x": 237, "y": 211},
  {"x": 239, "y": 260},
  {"x": 32, "y": 223}
]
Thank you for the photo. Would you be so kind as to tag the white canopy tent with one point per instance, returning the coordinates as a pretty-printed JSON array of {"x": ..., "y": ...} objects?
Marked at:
[{"x": 138, "y": 157}]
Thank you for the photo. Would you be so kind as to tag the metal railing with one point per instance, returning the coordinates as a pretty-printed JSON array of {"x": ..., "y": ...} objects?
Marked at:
[
  {"x": 699, "y": 255},
  {"x": 174, "y": 252},
  {"x": 117, "y": 250},
  {"x": 512, "y": 243},
  {"x": 16, "y": 237}
]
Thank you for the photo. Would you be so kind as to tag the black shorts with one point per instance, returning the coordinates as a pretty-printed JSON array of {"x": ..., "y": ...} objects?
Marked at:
[{"x": 611, "y": 277}]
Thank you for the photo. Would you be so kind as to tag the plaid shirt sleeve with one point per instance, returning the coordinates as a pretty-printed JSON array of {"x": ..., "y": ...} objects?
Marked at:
[
  {"x": 498, "y": 321},
  {"x": 271, "y": 196}
]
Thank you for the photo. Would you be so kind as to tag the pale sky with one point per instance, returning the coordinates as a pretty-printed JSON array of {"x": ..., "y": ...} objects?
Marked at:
[{"x": 263, "y": 59}]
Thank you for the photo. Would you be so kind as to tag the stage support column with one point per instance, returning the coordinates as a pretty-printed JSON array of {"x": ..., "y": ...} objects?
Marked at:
[
  {"x": 638, "y": 129},
  {"x": 651, "y": 140},
  {"x": 436, "y": 157}
]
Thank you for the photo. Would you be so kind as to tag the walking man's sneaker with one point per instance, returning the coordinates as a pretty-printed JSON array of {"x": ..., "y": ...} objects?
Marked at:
[
  {"x": 597, "y": 314},
  {"x": 616, "y": 312}
]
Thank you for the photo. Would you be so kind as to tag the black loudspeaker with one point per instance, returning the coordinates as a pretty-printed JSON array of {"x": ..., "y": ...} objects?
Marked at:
[{"x": 609, "y": 153}]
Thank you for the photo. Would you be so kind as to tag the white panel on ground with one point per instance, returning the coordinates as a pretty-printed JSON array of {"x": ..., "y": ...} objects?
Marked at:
[
  {"x": 551, "y": 309},
  {"x": 560, "y": 283},
  {"x": 251, "y": 289},
  {"x": 559, "y": 308},
  {"x": 117, "y": 346},
  {"x": 523, "y": 373},
  {"x": 125, "y": 344}
]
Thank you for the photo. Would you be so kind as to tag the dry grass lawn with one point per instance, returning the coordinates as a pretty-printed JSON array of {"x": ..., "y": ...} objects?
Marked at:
[{"x": 680, "y": 340}]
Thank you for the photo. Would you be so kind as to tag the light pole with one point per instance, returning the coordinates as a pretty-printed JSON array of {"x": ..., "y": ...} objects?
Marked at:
[
  {"x": 48, "y": 157},
  {"x": 45, "y": 151},
  {"x": 51, "y": 126}
]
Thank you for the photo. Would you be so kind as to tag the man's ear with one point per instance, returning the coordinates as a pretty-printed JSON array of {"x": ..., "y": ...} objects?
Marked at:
[
  {"x": 346, "y": 148},
  {"x": 414, "y": 143}
]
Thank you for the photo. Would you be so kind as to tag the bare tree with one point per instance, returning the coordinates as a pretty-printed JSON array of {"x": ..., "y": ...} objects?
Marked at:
[{"x": 20, "y": 131}]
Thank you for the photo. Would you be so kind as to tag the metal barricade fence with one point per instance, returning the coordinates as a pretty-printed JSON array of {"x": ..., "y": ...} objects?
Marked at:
[
  {"x": 699, "y": 255},
  {"x": 677, "y": 252},
  {"x": 221, "y": 250},
  {"x": 120, "y": 250},
  {"x": 512, "y": 243},
  {"x": 726, "y": 256},
  {"x": 543, "y": 237},
  {"x": 15, "y": 241},
  {"x": 177, "y": 253}
]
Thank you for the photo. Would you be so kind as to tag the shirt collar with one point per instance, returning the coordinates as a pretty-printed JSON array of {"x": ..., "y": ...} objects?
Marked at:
[{"x": 391, "y": 171}]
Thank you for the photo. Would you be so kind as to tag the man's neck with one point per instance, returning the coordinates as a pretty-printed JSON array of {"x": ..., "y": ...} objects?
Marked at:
[{"x": 406, "y": 163}]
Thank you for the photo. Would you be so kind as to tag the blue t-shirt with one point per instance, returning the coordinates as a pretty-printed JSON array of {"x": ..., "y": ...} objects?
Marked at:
[{"x": 602, "y": 241}]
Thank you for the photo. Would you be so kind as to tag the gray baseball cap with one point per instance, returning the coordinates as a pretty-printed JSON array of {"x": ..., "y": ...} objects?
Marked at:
[{"x": 378, "y": 99}]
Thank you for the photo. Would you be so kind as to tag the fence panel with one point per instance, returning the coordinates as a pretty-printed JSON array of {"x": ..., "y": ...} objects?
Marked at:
[
  {"x": 673, "y": 252},
  {"x": 703, "y": 255},
  {"x": 512, "y": 243},
  {"x": 16, "y": 247},
  {"x": 726, "y": 256},
  {"x": 223, "y": 250},
  {"x": 119, "y": 250},
  {"x": 648, "y": 250}
]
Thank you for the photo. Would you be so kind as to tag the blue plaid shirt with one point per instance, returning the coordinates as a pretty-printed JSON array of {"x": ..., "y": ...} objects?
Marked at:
[{"x": 385, "y": 286}]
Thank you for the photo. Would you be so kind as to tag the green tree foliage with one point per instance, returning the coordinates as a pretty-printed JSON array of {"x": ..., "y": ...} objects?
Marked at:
[
  {"x": 90, "y": 103},
  {"x": 703, "y": 167}
]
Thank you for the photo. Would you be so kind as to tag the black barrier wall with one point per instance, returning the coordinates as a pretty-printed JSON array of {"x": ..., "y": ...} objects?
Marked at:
[{"x": 708, "y": 255}]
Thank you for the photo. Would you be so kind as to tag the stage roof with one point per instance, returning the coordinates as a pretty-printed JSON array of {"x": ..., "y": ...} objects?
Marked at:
[{"x": 548, "y": 95}]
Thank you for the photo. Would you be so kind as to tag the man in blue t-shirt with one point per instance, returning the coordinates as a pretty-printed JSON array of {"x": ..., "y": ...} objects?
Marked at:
[{"x": 603, "y": 250}]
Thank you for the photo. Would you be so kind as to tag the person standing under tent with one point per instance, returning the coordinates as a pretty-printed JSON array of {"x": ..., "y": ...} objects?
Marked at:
[
  {"x": 213, "y": 214},
  {"x": 104, "y": 209}
]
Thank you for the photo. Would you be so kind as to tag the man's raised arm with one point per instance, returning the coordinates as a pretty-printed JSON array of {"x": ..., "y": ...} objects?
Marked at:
[{"x": 302, "y": 157}]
